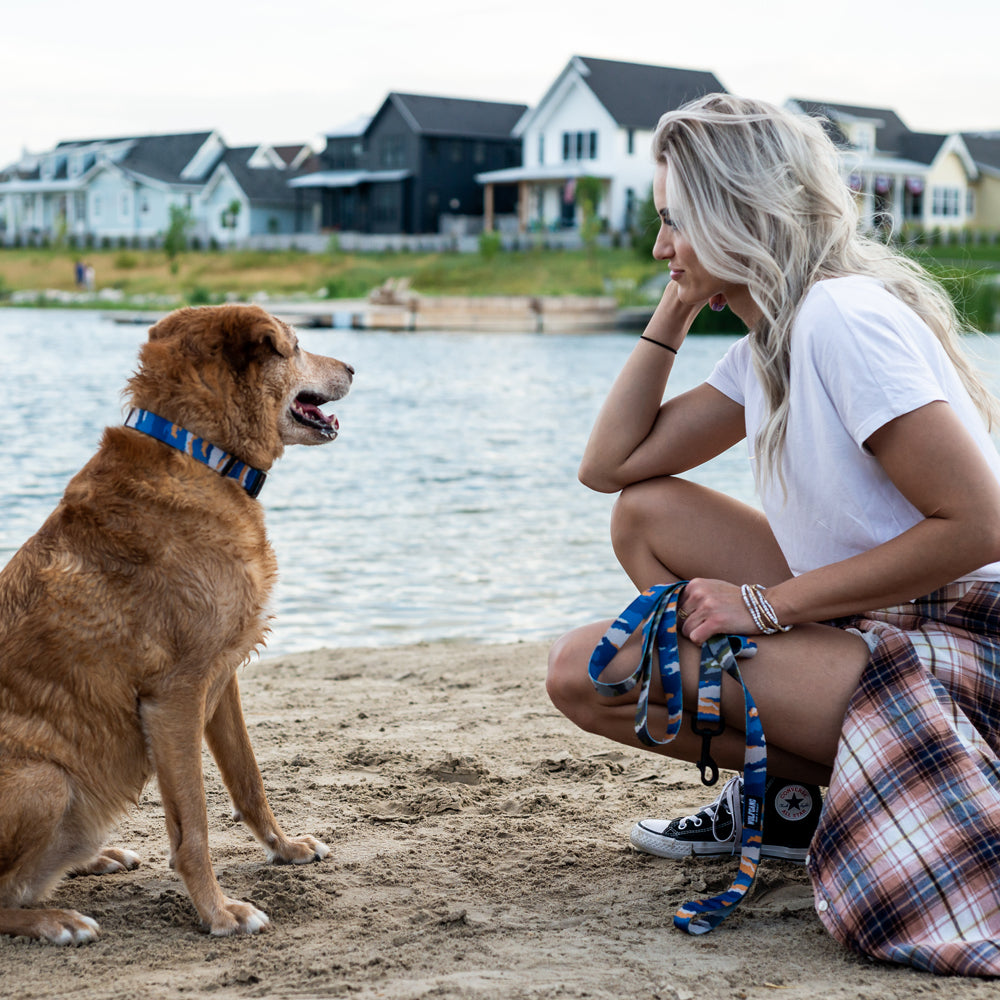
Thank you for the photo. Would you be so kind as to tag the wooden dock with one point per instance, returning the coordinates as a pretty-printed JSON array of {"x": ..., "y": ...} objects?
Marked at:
[{"x": 514, "y": 314}]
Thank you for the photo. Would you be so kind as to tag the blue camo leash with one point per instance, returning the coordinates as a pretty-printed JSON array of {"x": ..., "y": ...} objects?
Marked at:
[{"x": 657, "y": 608}]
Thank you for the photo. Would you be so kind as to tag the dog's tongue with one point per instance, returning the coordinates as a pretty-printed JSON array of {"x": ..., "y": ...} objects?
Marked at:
[{"x": 315, "y": 413}]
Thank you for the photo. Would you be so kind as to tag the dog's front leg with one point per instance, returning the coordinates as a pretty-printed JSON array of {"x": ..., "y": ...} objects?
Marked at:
[
  {"x": 227, "y": 738},
  {"x": 173, "y": 729}
]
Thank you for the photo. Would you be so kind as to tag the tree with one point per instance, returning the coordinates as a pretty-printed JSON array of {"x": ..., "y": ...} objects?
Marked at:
[
  {"x": 230, "y": 217},
  {"x": 645, "y": 227},
  {"x": 175, "y": 240},
  {"x": 588, "y": 195}
]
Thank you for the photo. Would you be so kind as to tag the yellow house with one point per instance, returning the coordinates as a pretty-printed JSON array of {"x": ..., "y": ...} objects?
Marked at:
[{"x": 900, "y": 177}]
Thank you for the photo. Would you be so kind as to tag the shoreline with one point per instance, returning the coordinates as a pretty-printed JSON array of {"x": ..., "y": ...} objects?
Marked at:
[
  {"x": 466, "y": 314},
  {"x": 479, "y": 849}
]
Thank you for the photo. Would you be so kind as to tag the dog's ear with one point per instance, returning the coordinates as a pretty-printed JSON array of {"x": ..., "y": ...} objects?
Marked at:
[{"x": 271, "y": 334}]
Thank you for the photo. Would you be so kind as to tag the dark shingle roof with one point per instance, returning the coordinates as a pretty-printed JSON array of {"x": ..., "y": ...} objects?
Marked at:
[
  {"x": 636, "y": 95},
  {"x": 161, "y": 157},
  {"x": 890, "y": 133},
  {"x": 259, "y": 184},
  {"x": 921, "y": 146},
  {"x": 458, "y": 116},
  {"x": 984, "y": 149}
]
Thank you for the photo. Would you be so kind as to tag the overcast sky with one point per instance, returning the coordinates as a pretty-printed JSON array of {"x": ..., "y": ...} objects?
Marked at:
[{"x": 287, "y": 71}]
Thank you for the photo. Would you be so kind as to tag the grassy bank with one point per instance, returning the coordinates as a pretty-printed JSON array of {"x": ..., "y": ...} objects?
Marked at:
[
  {"x": 340, "y": 275},
  {"x": 135, "y": 277}
]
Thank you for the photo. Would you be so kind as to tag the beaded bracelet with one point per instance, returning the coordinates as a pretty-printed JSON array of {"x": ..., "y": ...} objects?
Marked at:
[{"x": 760, "y": 609}]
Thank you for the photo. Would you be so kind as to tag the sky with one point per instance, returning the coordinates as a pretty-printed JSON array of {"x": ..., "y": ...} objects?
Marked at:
[{"x": 287, "y": 71}]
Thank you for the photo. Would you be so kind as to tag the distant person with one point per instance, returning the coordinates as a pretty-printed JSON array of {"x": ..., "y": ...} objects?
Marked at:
[
  {"x": 870, "y": 580},
  {"x": 79, "y": 274},
  {"x": 89, "y": 276}
]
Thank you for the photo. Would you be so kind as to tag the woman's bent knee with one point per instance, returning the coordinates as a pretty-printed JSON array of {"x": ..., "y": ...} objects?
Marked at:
[{"x": 567, "y": 681}]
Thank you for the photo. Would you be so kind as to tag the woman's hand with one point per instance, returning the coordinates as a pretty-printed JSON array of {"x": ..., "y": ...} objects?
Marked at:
[
  {"x": 714, "y": 607},
  {"x": 680, "y": 315}
]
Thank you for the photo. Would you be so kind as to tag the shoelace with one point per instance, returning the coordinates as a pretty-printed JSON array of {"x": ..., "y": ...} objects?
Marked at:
[
  {"x": 730, "y": 798},
  {"x": 655, "y": 611}
]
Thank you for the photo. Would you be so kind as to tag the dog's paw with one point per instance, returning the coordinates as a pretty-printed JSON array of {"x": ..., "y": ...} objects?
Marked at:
[
  {"x": 298, "y": 851},
  {"x": 237, "y": 917},
  {"x": 108, "y": 862},
  {"x": 62, "y": 927}
]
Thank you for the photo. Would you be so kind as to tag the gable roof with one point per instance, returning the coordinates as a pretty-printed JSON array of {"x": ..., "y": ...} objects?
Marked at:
[
  {"x": 164, "y": 157},
  {"x": 984, "y": 149},
  {"x": 636, "y": 95},
  {"x": 922, "y": 146},
  {"x": 890, "y": 130},
  {"x": 160, "y": 157},
  {"x": 455, "y": 116},
  {"x": 259, "y": 184}
]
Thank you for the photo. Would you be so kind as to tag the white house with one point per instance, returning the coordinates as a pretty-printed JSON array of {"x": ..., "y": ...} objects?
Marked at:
[
  {"x": 596, "y": 120},
  {"x": 899, "y": 176}
]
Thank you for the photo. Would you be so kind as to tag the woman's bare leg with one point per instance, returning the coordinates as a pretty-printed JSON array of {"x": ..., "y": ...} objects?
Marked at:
[{"x": 668, "y": 529}]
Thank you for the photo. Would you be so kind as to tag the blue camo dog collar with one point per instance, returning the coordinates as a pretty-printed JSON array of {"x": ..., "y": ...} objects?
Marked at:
[{"x": 226, "y": 465}]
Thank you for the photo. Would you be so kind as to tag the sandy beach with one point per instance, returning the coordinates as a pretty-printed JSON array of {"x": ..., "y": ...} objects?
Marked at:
[{"x": 479, "y": 850}]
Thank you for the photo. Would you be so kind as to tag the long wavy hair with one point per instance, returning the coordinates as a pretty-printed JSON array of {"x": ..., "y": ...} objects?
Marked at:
[{"x": 759, "y": 196}]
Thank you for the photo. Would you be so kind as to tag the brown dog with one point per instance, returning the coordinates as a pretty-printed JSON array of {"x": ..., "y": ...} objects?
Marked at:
[{"x": 124, "y": 619}]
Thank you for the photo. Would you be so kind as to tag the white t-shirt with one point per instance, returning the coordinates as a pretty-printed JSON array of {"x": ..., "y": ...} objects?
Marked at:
[{"x": 859, "y": 358}]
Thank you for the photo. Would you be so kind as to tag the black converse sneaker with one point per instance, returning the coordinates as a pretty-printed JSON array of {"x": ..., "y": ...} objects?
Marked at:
[{"x": 791, "y": 813}]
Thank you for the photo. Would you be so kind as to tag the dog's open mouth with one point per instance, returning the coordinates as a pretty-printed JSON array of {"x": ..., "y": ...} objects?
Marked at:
[{"x": 306, "y": 410}]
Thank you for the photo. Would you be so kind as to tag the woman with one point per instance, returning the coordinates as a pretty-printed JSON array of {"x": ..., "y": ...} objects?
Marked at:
[{"x": 879, "y": 541}]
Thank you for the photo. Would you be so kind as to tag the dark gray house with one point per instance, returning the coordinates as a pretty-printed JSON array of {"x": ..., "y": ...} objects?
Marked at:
[{"x": 413, "y": 161}]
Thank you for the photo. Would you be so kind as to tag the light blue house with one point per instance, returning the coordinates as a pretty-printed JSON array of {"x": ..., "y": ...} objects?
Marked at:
[
  {"x": 248, "y": 194},
  {"x": 122, "y": 190}
]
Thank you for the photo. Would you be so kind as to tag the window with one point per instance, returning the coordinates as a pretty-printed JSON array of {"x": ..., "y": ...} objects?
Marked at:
[
  {"x": 946, "y": 202},
  {"x": 479, "y": 153},
  {"x": 383, "y": 203},
  {"x": 96, "y": 206},
  {"x": 541, "y": 148},
  {"x": 579, "y": 145},
  {"x": 630, "y": 142},
  {"x": 125, "y": 205},
  {"x": 630, "y": 208},
  {"x": 392, "y": 151},
  {"x": 864, "y": 137},
  {"x": 970, "y": 203}
]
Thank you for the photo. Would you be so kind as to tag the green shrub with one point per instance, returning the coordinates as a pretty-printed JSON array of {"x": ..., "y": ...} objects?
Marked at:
[
  {"x": 489, "y": 245},
  {"x": 125, "y": 260},
  {"x": 347, "y": 286}
]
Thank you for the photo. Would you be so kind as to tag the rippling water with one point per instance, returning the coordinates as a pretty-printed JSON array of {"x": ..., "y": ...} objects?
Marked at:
[{"x": 448, "y": 507}]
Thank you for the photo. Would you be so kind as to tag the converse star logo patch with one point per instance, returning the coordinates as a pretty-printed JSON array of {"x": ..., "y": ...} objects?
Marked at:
[{"x": 793, "y": 803}]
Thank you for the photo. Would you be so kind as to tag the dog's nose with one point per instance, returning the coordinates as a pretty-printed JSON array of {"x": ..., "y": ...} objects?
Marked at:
[{"x": 350, "y": 369}]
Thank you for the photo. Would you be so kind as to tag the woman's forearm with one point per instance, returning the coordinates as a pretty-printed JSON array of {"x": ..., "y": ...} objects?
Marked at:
[
  {"x": 633, "y": 405},
  {"x": 932, "y": 553}
]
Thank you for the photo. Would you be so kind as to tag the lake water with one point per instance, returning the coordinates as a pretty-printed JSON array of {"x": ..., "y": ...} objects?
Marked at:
[{"x": 448, "y": 508}]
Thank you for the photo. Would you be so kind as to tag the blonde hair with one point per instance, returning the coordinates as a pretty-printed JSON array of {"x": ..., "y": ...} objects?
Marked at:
[{"x": 758, "y": 193}]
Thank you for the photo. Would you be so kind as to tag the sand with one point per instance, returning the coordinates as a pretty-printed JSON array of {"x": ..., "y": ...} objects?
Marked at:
[{"x": 479, "y": 850}]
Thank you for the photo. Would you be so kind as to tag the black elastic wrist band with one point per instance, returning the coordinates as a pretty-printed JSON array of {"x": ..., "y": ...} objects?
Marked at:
[{"x": 659, "y": 343}]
